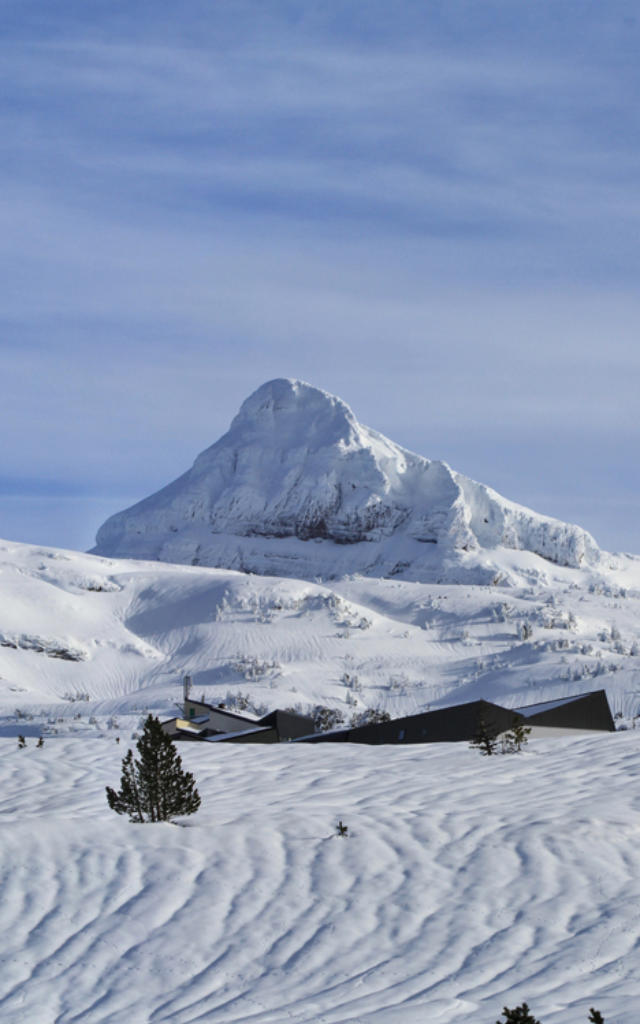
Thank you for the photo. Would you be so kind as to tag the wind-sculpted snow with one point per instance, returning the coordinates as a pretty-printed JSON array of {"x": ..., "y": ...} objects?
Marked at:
[
  {"x": 296, "y": 467},
  {"x": 464, "y": 884}
]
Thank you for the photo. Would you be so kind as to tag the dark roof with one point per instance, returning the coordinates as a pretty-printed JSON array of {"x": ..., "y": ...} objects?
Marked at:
[
  {"x": 289, "y": 724},
  {"x": 548, "y": 705},
  {"x": 221, "y": 711},
  {"x": 582, "y": 711},
  {"x": 457, "y": 722}
]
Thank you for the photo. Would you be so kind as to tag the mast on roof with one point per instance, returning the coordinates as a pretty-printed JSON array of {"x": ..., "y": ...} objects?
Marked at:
[{"x": 186, "y": 687}]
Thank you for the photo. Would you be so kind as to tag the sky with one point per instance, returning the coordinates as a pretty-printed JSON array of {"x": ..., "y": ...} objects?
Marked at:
[{"x": 430, "y": 210}]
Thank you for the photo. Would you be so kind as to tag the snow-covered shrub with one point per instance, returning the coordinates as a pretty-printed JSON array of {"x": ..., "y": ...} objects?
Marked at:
[
  {"x": 518, "y": 736},
  {"x": 351, "y": 681},
  {"x": 525, "y": 631},
  {"x": 325, "y": 719},
  {"x": 370, "y": 716},
  {"x": 235, "y": 700},
  {"x": 253, "y": 668}
]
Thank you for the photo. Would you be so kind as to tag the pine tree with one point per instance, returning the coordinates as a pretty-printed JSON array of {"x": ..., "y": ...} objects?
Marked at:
[
  {"x": 484, "y": 739},
  {"x": 516, "y": 738},
  {"x": 519, "y": 1015},
  {"x": 154, "y": 787}
]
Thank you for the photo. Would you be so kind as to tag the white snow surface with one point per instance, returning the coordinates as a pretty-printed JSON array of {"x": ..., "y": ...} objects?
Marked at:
[
  {"x": 79, "y": 633},
  {"x": 298, "y": 487},
  {"x": 82, "y": 635},
  {"x": 464, "y": 884}
]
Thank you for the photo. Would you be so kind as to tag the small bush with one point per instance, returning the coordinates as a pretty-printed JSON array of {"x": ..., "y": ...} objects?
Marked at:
[
  {"x": 371, "y": 716},
  {"x": 325, "y": 719},
  {"x": 517, "y": 738}
]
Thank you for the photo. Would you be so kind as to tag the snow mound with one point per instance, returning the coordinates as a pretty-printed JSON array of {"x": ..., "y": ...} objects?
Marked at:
[{"x": 296, "y": 466}]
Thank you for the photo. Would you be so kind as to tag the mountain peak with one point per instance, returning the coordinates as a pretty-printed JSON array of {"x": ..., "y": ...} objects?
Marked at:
[
  {"x": 287, "y": 396},
  {"x": 287, "y": 409},
  {"x": 296, "y": 466}
]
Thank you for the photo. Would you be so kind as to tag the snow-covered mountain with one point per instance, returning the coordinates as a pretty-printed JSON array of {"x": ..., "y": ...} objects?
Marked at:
[
  {"x": 443, "y": 592},
  {"x": 297, "y": 487}
]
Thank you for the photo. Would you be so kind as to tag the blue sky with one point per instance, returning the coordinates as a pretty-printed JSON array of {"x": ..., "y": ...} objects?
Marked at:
[{"x": 430, "y": 209}]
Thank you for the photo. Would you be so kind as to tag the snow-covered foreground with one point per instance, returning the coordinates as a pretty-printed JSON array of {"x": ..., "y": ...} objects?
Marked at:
[{"x": 465, "y": 883}]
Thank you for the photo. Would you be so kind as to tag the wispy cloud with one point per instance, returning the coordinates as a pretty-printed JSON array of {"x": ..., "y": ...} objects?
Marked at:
[{"x": 433, "y": 213}]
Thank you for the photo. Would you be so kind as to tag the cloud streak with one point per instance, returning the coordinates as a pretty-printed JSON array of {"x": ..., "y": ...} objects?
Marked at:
[{"x": 434, "y": 215}]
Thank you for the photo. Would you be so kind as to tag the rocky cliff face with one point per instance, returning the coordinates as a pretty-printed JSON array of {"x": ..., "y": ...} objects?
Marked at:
[{"x": 298, "y": 487}]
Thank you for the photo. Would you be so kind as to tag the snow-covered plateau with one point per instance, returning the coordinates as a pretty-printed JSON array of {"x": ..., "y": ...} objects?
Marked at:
[{"x": 347, "y": 572}]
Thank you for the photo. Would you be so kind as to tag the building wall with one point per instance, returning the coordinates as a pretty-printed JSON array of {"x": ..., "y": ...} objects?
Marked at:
[
  {"x": 445, "y": 725},
  {"x": 589, "y": 711},
  {"x": 218, "y": 720}
]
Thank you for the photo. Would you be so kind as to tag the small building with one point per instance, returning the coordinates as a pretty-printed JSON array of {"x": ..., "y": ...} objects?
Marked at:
[
  {"x": 585, "y": 712},
  {"x": 444, "y": 725},
  {"x": 460, "y": 722},
  {"x": 202, "y": 721}
]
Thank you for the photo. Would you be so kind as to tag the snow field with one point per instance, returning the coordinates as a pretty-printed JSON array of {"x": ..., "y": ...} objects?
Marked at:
[
  {"x": 465, "y": 883},
  {"x": 81, "y": 635}
]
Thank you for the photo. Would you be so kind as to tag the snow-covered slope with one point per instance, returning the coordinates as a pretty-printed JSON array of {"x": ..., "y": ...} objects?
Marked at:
[
  {"x": 298, "y": 487},
  {"x": 466, "y": 883},
  {"x": 83, "y": 637}
]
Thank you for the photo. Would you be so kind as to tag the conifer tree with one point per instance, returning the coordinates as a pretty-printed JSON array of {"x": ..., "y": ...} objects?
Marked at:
[
  {"x": 516, "y": 738},
  {"x": 519, "y": 1015},
  {"x": 154, "y": 787},
  {"x": 485, "y": 738}
]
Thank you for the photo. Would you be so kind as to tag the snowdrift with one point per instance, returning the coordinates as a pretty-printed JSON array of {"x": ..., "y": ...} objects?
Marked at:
[{"x": 466, "y": 883}]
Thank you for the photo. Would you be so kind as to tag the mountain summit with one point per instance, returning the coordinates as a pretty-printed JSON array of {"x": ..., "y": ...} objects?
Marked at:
[{"x": 296, "y": 467}]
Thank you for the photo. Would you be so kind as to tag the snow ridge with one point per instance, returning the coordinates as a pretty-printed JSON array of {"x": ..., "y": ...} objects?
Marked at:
[{"x": 296, "y": 466}]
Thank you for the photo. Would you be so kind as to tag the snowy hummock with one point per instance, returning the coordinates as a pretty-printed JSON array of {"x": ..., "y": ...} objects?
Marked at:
[
  {"x": 297, "y": 487},
  {"x": 466, "y": 883}
]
